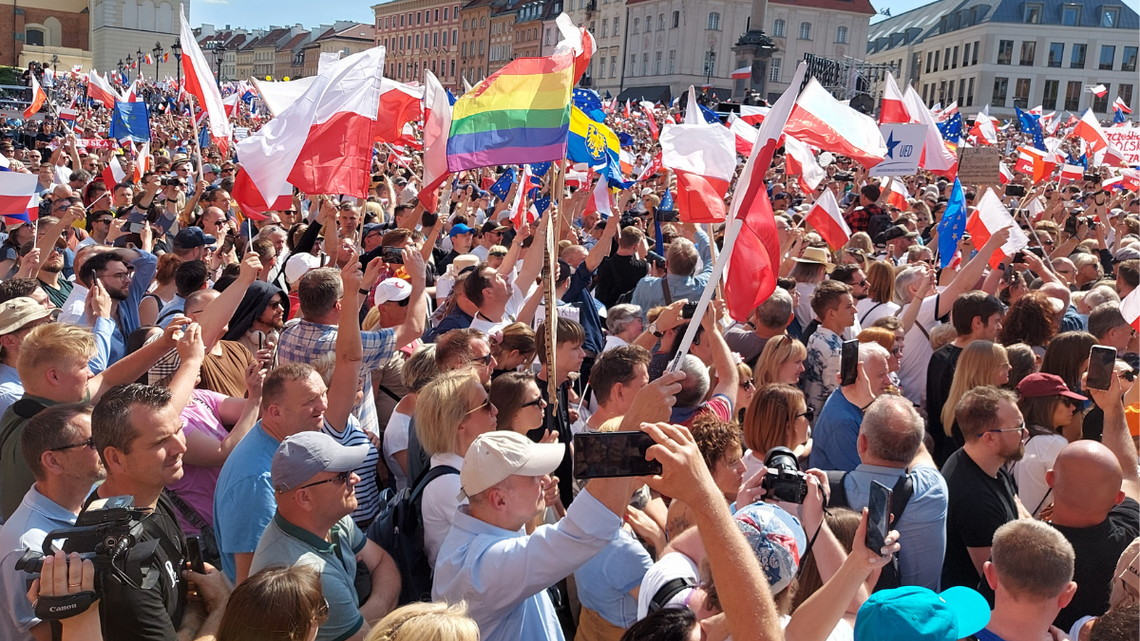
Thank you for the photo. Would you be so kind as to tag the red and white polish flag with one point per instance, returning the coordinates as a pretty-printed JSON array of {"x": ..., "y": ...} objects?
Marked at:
[
  {"x": 984, "y": 130},
  {"x": 38, "y": 98},
  {"x": 1089, "y": 130},
  {"x": 1034, "y": 162},
  {"x": 893, "y": 109},
  {"x": 1005, "y": 175},
  {"x": 1121, "y": 105},
  {"x": 143, "y": 162},
  {"x": 800, "y": 161},
  {"x": 745, "y": 134},
  {"x": 824, "y": 216},
  {"x": 989, "y": 218},
  {"x": 200, "y": 82},
  {"x": 1099, "y": 91},
  {"x": 322, "y": 143},
  {"x": 399, "y": 105},
  {"x": 936, "y": 157},
  {"x": 753, "y": 115},
  {"x": 1130, "y": 179},
  {"x": 100, "y": 90},
  {"x": 437, "y": 127},
  {"x": 820, "y": 120},
  {"x": 1069, "y": 173},
  {"x": 113, "y": 174},
  {"x": 898, "y": 195},
  {"x": 703, "y": 157},
  {"x": 18, "y": 195}
]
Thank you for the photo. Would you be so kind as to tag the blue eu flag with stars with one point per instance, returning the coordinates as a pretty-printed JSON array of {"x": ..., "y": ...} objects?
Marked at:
[
  {"x": 502, "y": 186},
  {"x": 590, "y": 103},
  {"x": 951, "y": 129},
  {"x": 1029, "y": 124},
  {"x": 953, "y": 224}
]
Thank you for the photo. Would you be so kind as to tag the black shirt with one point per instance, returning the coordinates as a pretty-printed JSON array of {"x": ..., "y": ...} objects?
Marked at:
[
  {"x": 153, "y": 611},
  {"x": 1098, "y": 548},
  {"x": 618, "y": 275},
  {"x": 939, "y": 376},
  {"x": 560, "y": 423},
  {"x": 978, "y": 505}
]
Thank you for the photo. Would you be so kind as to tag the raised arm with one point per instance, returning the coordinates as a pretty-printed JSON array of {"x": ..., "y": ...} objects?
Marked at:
[
  {"x": 966, "y": 278},
  {"x": 1116, "y": 436},
  {"x": 349, "y": 351},
  {"x": 507, "y": 268},
  {"x": 129, "y": 368},
  {"x": 532, "y": 264},
  {"x": 191, "y": 351},
  {"x": 601, "y": 249},
  {"x": 413, "y": 327},
  {"x": 218, "y": 313},
  {"x": 728, "y": 378}
]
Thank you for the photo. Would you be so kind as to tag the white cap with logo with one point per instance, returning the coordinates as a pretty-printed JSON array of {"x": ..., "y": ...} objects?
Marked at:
[{"x": 494, "y": 456}]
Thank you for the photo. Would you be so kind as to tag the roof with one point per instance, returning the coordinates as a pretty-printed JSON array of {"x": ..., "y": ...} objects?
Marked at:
[
  {"x": 295, "y": 42},
  {"x": 357, "y": 31},
  {"x": 271, "y": 39},
  {"x": 851, "y": 6},
  {"x": 945, "y": 16}
]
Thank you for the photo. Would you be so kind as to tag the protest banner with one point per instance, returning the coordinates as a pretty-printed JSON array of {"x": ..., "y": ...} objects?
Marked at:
[{"x": 979, "y": 165}]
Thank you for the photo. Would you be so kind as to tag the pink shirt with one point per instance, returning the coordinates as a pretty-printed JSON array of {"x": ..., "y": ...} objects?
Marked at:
[{"x": 196, "y": 487}]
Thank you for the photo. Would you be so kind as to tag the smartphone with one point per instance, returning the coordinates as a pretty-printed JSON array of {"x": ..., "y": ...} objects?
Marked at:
[
  {"x": 667, "y": 216},
  {"x": 849, "y": 363},
  {"x": 613, "y": 454},
  {"x": 1102, "y": 360},
  {"x": 1092, "y": 178},
  {"x": 688, "y": 310},
  {"x": 194, "y": 554},
  {"x": 136, "y": 228},
  {"x": 392, "y": 255},
  {"x": 1015, "y": 190},
  {"x": 1037, "y": 249},
  {"x": 878, "y": 516},
  {"x": 1018, "y": 257}
]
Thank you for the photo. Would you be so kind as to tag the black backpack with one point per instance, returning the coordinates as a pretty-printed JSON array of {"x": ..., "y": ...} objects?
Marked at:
[
  {"x": 890, "y": 576},
  {"x": 398, "y": 528}
]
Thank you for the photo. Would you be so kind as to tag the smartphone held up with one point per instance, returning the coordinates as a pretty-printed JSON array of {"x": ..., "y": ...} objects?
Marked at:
[{"x": 613, "y": 454}]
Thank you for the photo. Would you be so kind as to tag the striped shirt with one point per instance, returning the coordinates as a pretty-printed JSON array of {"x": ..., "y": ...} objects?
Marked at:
[{"x": 368, "y": 489}]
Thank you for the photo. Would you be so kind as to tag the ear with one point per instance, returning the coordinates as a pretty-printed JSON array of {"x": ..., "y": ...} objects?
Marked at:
[
  {"x": 1049, "y": 478},
  {"x": 1067, "y": 595},
  {"x": 48, "y": 462},
  {"x": 861, "y": 444},
  {"x": 991, "y": 575},
  {"x": 113, "y": 458}
]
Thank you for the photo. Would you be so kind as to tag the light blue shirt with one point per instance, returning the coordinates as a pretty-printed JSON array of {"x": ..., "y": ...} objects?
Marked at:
[
  {"x": 649, "y": 293},
  {"x": 835, "y": 434},
  {"x": 922, "y": 528},
  {"x": 11, "y": 389},
  {"x": 27, "y": 527},
  {"x": 503, "y": 575},
  {"x": 145, "y": 266},
  {"x": 104, "y": 332},
  {"x": 244, "y": 502},
  {"x": 605, "y": 581}
]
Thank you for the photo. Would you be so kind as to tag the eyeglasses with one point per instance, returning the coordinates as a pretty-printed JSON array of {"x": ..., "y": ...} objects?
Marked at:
[
  {"x": 1019, "y": 428},
  {"x": 485, "y": 360},
  {"x": 123, "y": 276},
  {"x": 89, "y": 443},
  {"x": 809, "y": 414},
  {"x": 484, "y": 405},
  {"x": 103, "y": 221},
  {"x": 748, "y": 385},
  {"x": 862, "y": 283},
  {"x": 538, "y": 402},
  {"x": 343, "y": 477}
]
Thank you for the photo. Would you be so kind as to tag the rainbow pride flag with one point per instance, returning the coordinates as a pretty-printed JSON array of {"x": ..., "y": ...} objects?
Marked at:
[{"x": 520, "y": 114}]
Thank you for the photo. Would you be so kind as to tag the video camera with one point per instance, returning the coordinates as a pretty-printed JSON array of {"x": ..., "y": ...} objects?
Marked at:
[
  {"x": 106, "y": 533},
  {"x": 784, "y": 480}
]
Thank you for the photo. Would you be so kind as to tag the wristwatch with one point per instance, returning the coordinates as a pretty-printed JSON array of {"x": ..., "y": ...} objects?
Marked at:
[{"x": 653, "y": 330}]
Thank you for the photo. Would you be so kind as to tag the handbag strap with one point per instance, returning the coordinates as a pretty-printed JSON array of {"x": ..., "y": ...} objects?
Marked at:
[{"x": 665, "y": 288}]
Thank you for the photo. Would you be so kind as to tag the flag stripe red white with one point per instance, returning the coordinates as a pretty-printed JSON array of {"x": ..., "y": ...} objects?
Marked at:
[
  {"x": 824, "y": 216},
  {"x": 893, "y": 109},
  {"x": 201, "y": 84},
  {"x": 820, "y": 120},
  {"x": 989, "y": 218},
  {"x": 437, "y": 126}
]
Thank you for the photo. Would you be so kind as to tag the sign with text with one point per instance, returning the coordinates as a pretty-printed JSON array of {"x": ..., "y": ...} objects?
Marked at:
[
  {"x": 979, "y": 165},
  {"x": 1127, "y": 140},
  {"x": 241, "y": 133},
  {"x": 904, "y": 149}
]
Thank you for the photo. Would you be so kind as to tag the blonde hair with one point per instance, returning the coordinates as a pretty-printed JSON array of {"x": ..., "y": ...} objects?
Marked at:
[
  {"x": 426, "y": 622},
  {"x": 48, "y": 345},
  {"x": 976, "y": 367},
  {"x": 777, "y": 351},
  {"x": 442, "y": 406},
  {"x": 771, "y": 416}
]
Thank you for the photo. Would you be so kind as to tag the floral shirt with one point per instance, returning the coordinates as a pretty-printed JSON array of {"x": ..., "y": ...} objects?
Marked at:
[{"x": 821, "y": 367}]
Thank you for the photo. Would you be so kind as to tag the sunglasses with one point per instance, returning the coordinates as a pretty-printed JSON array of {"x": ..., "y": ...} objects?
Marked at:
[
  {"x": 484, "y": 405},
  {"x": 89, "y": 443},
  {"x": 748, "y": 385},
  {"x": 343, "y": 477},
  {"x": 809, "y": 414},
  {"x": 485, "y": 360},
  {"x": 538, "y": 402}
]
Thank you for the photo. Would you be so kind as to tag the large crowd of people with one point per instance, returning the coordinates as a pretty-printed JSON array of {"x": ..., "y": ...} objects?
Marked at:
[{"x": 351, "y": 419}]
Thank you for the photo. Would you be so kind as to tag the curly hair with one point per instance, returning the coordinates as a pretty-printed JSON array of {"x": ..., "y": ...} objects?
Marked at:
[
  {"x": 1030, "y": 320},
  {"x": 714, "y": 437}
]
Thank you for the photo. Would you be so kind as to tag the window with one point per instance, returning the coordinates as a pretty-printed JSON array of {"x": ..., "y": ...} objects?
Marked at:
[
  {"x": 1071, "y": 15},
  {"x": 970, "y": 93},
  {"x": 548, "y": 34},
  {"x": 714, "y": 21},
  {"x": 602, "y": 68},
  {"x": 645, "y": 64},
  {"x": 605, "y": 27},
  {"x": 1128, "y": 61},
  {"x": 954, "y": 64},
  {"x": 1100, "y": 103},
  {"x": 452, "y": 67},
  {"x": 434, "y": 40},
  {"x": 977, "y": 45},
  {"x": 445, "y": 13},
  {"x": 1028, "y": 53},
  {"x": 950, "y": 92},
  {"x": 464, "y": 49},
  {"x": 1049, "y": 96},
  {"x": 961, "y": 92},
  {"x": 805, "y": 31},
  {"x": 1021, "y": 93},
  {"x": 946, "y": 59},
  {"x": 617, "y": 27},
  {"x": 660, "y": 22},
  {"x": 778, "y": 29},
  {"x": 633, "y": 62},
  {"x": 1056, "y": 53},
  {"x": 657, "y": 63},
  {"x": 942, "y": 91},
  {"x": 1125, "y": 93},
  {"x": 1108, "y": 18},
  {"x": 401, "y": 20},
  {"x": 636, "y": 25},
  {"x": 648, "y": 24},
  {"x": 710, "y": 63},
  {"x": 480, "y": 47},
  {"x": 966, "y": 55},
  {"x": 937, "y": 58},
  {"x": 841, "y": 34},
  {"x": 1073, "y": 95},
  {"x": 420, "y": 18},
  {"x": 1032, "y": 13},
  {"x": 926, "y": 94},
  {"x": 482, "y": 22},
  {"x": 929, "y": 59},
  {"x": 1001, "y": 87},
  {"x": 1107, "y": 54},
  {"x": 417, "y": 41},
  {"x": 676, "y": 19},
  {"x": 465, "y": 25},
  {"x": 672, "y": 60},
  {"x": 1005, "y": 52},
  {"x": 454, "y": 37},
  {"x": 774, "y": 70},
  {"x": 401, "y": 43},
  {"x": 1077, "y": 60},
  {"x": 437, "y": 15}
]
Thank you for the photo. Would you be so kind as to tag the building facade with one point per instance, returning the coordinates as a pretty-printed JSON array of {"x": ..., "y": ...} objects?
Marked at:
[
  {"x": 39, "y": 29},
  {"x": 501, "y": 43},
  {"x": 474, "y": 35},
  {"x": 121, "y": 28},
  {"x": 419, "y": 35},
  {"x": 1044, "y": 52},
  {"x": 833, "y": 29}
]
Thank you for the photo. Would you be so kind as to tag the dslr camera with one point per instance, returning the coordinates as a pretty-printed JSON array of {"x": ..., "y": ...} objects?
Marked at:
[
  {"x": 784, "y": 480},
  {"x": 106, "y": 534}
]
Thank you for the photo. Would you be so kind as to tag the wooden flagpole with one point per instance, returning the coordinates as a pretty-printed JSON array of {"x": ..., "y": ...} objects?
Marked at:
[{"x": 548, "y": 281}]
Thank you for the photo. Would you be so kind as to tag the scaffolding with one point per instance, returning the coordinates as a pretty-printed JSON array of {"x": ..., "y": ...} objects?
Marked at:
[{"x": 847, "y": 78}]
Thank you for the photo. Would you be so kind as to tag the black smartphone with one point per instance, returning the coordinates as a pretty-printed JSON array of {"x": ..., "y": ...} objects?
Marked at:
[
  {"x": 194, "y": 555},
  {"x": 392, "y": 255},
  {"x": 613, "y": 454},
  {"x": 1037, "y": 249},
  {"x": 688, "y": 310},
  {"x": 849, "y": 363},
  {"x": 1102, "y": 360},
  {"x": 1019, "y": 257},
  {"x": 136, "y": 228},
  {"x": 1015, "y": 190},
  {"x": 667, "y": 216},
  {"x": 878, "y": 516}
]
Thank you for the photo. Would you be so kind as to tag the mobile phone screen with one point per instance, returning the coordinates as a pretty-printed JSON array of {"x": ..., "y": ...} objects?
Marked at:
[
  {"x": 878, "y": 516},
  {"x": 849, "y": 363},
  {"x": 613, "y": 454},
  {"x": 194, "y": 555},
  {"x": 392, "y": 255},
  {"x": 1102, "y": 360}
]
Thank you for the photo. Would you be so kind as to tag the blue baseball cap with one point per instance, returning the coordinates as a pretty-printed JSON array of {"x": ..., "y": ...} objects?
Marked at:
[
  {"x": 459, "y": 229},
  {"x": 912, "y": 613},
  {"x": 192, "y": 237}
]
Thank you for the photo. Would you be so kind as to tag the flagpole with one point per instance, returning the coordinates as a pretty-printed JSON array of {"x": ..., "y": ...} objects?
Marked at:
[
  {"x": 197, "y": 137},
  {"x": 548, "y": 280}
]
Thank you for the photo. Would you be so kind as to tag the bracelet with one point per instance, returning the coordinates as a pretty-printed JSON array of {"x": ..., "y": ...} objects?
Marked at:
[{"x": 363, "y": 291}]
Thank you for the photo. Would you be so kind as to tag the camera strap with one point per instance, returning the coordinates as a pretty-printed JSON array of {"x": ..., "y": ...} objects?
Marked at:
[
  {"x": 53, "y": 608},
  {"x": 666, "y": 592}
]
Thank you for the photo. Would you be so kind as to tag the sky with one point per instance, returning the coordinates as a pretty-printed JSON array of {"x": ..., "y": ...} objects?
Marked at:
[{"x": 251, "y": 14}]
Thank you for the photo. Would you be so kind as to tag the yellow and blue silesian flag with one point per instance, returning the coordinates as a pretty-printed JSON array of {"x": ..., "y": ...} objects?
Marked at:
[{"x": 591, "y": 142}]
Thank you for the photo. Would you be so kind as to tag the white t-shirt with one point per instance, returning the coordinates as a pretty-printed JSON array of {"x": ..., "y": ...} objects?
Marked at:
[
  {"x": 843, "y": 630},
  {"x": 396, "y": 441},
  {"x": 868, "y": 311},
  {"x": 916, "y": 351},
  {"x": 671, "y": 566},
  {"x": 440, "y": 500},
  {"x": 481, "y": 251},
  {"x": 1040, "y": 453},
  {"x": 804, "y": 312}
]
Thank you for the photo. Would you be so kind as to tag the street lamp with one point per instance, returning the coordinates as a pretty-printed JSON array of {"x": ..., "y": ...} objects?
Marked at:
[
  {"x": 121, "y": 67},
  {"x": 176, "y": 49},
  {"x": 138, "y": 74},
  {"x": 130, "y": 61},
  {"x": 710, "y": 62},
  {"x": 157, "y": 51},
  {"x": 220, "y": 54}
]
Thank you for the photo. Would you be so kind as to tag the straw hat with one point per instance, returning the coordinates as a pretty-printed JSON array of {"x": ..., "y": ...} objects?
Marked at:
[{"x": 817, "y": 256}]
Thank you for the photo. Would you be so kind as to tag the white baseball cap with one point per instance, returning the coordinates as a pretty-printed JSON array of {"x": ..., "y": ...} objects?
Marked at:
[
  {"x": 494, "y": 456},
  {"x": 391, "y": 290},
  {"x": 297, "y": 265}
]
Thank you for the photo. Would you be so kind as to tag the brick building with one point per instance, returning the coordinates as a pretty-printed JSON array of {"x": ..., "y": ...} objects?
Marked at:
[
  {"x": 474, "y": 36},
  {"x": 419, "y": 35},
  {"x": 501, "y": 44},
  {"x": 528, "y": 29}
]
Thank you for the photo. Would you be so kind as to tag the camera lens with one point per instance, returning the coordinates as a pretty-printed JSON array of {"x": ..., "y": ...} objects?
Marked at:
[{"x": 782, "y": 458}]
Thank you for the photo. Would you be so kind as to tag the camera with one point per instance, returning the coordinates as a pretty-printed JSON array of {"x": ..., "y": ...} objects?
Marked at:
[
  {"x": 106, "y": 534},
  {"x": 784, "y": 481},
  {"x": 844, "y": 176}
]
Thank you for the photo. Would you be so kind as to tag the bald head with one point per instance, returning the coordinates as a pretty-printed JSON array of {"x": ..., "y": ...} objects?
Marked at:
[
  {"x": 62, "y": 191},
  {"x": 1057, "y": 291},
  {"x": 1086, "y": 480}
]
